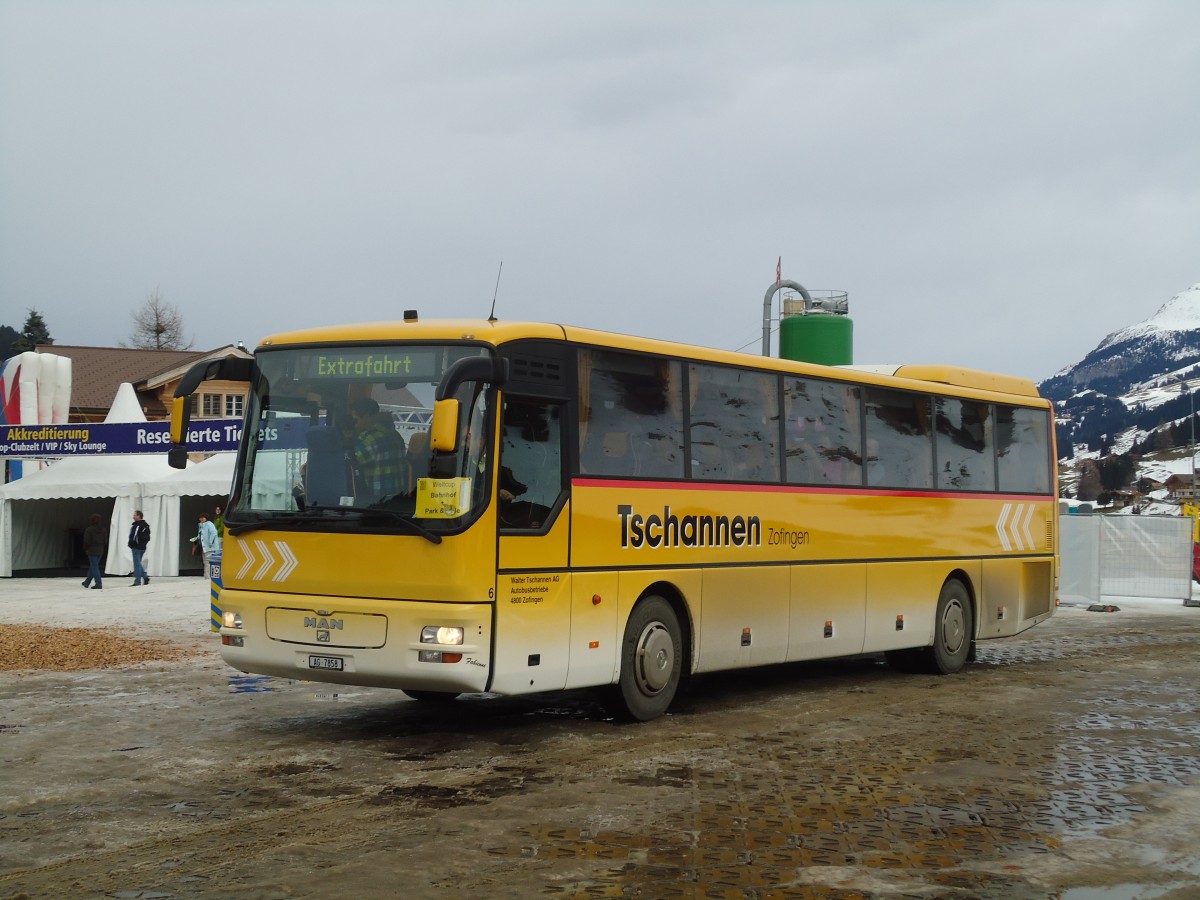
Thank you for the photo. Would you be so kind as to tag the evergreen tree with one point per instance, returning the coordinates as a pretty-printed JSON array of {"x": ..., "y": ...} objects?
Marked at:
[
  {"x": 34, "y": 333},
  {"x": 8, "y": 337},
  {"x": 1089, "y": 481}
]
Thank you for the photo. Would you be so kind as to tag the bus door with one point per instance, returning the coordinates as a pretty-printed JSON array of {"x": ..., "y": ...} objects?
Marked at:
[{"x": 533, "y": 587}]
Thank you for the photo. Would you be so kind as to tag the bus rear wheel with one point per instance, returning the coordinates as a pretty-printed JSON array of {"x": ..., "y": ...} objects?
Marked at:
[
  {"x": 953, "y": 630},
  {"x": 651, "y": 661}
]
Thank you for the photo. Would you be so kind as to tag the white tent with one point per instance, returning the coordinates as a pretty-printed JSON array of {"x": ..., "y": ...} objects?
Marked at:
[
  {"x": 42, "y": 516},
  {"x": 175, "y": 502}
]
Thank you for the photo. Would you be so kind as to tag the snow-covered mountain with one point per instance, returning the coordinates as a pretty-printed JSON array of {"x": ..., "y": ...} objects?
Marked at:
[
  {"x": 1167, "y": 342},
  {"x": 1125, "y": 411},
  {"x": 1137, "y": 379}
]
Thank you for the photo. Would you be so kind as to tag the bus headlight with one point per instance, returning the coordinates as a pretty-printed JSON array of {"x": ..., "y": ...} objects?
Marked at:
[
  {"x": 231, "y": 619},
  {"x": 441, "y": 634}
]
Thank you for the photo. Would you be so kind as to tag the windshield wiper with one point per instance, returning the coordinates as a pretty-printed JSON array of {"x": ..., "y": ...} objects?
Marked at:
[
  {"x": 268, "y": 523},
  {"x": 393, "y": 516},
  {"x": 313, "y": 515}
]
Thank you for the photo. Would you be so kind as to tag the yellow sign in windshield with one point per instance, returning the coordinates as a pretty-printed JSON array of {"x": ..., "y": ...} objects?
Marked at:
[{"x": 443, "y": 498}]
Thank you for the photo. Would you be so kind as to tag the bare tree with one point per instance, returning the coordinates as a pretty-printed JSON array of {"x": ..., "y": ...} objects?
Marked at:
[{"x": 158, "y": 325}]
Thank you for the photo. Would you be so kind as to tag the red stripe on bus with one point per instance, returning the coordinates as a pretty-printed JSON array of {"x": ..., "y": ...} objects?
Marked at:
[{"x": 626, "y": 484}]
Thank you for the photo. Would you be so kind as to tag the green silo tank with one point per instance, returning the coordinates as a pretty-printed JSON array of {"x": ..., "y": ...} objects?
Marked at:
[{"x": 818, "y": 337}]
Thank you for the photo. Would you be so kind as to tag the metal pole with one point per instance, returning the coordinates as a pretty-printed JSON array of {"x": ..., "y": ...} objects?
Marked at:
[{"x": 771, "y": 291}]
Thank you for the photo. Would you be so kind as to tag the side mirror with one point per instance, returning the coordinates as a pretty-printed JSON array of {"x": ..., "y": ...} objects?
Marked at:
[
  {"x": 490, "y": 369},
  {"x": 443, "y": 430},
  {"x": 181, "y": 414},
  {"x": 224, "y": 369}
]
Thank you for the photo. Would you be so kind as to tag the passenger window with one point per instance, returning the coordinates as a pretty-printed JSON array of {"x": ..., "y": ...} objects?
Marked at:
[
  {"x": 899, "y": 444},
  {"x": 630, "y": 415},
  {"x": 733, "y": 424},
  {"x": 965, "y": 445},
  {"x": 1023, "y": 450},
  {"x": 824, "y": 440}
]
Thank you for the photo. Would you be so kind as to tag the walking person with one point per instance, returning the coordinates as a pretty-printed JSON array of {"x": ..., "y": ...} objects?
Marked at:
[
  {"x": 94, "y": 544},
  {"x": 208, "y": 543},
  {"x": 219, "y": 524},
  {"x": 139, "y": 539}
]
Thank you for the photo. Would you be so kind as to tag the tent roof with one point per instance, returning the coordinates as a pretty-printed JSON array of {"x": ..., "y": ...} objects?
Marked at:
[
  {"x": 145, "y": 474},
  {"x": 88, "y": 476},
  {"x": 126, "y": 407},
  {"x": 213, "y": 476}
]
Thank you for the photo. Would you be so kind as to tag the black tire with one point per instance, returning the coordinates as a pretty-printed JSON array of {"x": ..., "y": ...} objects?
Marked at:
[
  {"x": 953, "y": 630},
  {"x": 651, "y": 661},
  {"x": 432, "y": 696}
]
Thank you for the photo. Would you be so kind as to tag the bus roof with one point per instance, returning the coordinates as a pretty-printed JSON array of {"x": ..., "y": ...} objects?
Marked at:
[
  {"x": 957, "y": 376},
  {"x": 497, "y": 332}
]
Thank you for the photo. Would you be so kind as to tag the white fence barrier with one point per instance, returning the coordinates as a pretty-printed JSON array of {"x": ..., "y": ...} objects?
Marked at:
[{"x": 1124, "y": 556}]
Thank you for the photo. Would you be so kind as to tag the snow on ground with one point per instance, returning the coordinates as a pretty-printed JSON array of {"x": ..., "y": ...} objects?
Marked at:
[{"x": 179, "y": 606}]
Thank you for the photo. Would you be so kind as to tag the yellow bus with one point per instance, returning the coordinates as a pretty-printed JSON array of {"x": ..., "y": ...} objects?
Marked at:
[{"x": 455, "y": 506}]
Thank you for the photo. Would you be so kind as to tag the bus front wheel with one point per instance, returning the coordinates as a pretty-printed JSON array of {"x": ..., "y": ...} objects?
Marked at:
[
  {"x": 953, "y": 630},
  {"x": 651, "y": 661}
]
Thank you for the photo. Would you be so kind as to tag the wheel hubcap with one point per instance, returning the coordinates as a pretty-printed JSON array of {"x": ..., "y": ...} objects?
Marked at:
[
  {"x": 656, "y": 658},
  {"x": 954, "y": 628}
]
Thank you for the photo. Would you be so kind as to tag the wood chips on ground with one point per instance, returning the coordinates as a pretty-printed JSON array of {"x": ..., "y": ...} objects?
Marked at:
[{"x": 74, "y": 649}]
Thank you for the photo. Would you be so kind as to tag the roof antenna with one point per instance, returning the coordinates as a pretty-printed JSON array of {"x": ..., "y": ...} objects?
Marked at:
[{"x": 492, "y": 316}]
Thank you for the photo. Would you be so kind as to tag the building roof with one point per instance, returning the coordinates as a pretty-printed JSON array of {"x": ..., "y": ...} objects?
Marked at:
[{"x": 97, "y": 373}]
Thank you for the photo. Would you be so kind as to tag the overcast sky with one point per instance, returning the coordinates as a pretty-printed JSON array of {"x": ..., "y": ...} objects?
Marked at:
[{"x": 995, "y": 184}]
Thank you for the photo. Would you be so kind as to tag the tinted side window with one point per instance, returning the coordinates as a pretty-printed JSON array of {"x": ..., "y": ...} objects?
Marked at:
[
  {"x": 630, "y": 415},
  {"x": 965, "y": 445},
  {"x": 733, "y": 424},
  {"x": 824, "y": 440},
  {"x": 899, "y": 444},
  {"x": 1023, "y": 450},
  {"x": 529, "y": 479}
]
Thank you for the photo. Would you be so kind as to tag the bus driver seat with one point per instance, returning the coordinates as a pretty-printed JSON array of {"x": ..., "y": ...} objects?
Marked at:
[{"x": 327, "y": 471}]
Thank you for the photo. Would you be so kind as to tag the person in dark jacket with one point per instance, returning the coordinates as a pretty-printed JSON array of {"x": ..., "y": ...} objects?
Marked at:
[
  {"x": 139, "y": 539},
  {"x": 94, "y": 545}
]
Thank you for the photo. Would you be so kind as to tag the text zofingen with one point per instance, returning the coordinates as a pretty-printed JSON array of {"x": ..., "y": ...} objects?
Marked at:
[{"x": 670, "y": 530}]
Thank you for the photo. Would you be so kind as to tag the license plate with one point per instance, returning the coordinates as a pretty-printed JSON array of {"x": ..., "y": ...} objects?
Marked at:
[{"x": 325, "y": 662}]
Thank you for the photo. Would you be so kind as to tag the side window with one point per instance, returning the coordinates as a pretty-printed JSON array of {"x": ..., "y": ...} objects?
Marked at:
[
  {"x": 530, "y": 477},
  {"x": 630, "y": 420},
  {"x": 824, "y": 440},
  {"x": 965, "y": 445},
  {"x": 899, "y": 445},
  {"x": 1023, "y": 450},
  {"x": 733, "y": 424}
]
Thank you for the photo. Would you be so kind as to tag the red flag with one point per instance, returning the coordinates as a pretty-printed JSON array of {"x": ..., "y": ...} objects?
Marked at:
[{"x": 779, "y": 270}]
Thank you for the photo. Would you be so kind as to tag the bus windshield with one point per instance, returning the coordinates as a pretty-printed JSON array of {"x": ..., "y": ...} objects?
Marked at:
[{"x": 341, "y": 438}]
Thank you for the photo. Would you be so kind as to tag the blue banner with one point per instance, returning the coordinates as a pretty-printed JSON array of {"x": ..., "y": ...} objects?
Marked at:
[{"x": 84, "y": 438}]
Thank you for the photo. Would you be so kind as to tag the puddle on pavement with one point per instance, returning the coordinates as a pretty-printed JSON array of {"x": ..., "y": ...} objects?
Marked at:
[
  {"x": 250, "y": 684},
  {"x": 794, "y": 820}
]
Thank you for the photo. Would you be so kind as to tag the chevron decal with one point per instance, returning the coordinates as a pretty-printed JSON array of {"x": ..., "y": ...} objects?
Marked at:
[
  {"x": 1012, "y": 526},
  {"x": 278, "y": 558}
]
